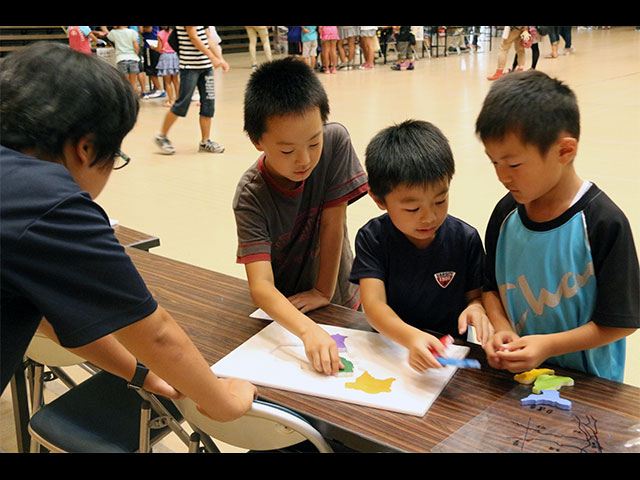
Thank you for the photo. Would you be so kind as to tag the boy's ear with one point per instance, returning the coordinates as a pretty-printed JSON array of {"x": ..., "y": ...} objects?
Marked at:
[
  {"x": 380, "y": 203},
  {"x": 258, "y": 146},
  {"x": 81, "y": 151},
  {"x": 567, "y": 149}
]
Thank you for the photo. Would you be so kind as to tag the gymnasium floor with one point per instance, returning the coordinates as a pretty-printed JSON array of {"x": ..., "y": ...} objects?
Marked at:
[{"x": 185, "y": 199}]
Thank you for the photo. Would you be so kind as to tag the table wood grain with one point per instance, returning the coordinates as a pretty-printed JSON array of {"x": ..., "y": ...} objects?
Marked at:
[{"x": 214, "y": 310}]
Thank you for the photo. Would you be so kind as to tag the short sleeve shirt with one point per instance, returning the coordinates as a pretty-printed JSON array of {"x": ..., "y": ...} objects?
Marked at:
[
  {"x": 559, "y": 275},
  {"x": 61, "y": 260},
  {"x": 283, "y": 226},
  {"x": 425, "y": 287}
]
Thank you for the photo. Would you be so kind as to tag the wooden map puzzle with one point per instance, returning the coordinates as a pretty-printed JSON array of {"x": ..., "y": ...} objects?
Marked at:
[{"x": 377, "y": 374}]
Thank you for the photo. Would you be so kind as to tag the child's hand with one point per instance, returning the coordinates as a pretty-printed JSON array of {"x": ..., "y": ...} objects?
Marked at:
[
  {"x": 524, "y": 353},
  {"x": 420, "y": 356},
  {"x": 322, "y": 351},
  {"x": 309, "y": 300},
  {"x": 476, "y": 316},
  {"x": 497, "y": 344}
]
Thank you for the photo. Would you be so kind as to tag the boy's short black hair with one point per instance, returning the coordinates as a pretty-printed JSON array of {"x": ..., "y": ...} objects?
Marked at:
[
  {"x": 533, "y": 106},
  {"x": 411, "y": 153},
  {"x": 52, "y": 94},
  {"x": 281, "y": 87}
]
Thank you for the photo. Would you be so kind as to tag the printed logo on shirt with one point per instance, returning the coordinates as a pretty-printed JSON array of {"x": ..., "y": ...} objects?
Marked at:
[{"x": 444, "y": 278}]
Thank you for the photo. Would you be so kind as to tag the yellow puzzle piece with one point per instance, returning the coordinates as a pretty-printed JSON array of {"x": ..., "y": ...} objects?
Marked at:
[
  {"x": 368, "y": 384},
  {"x": 529, "y": 377}
]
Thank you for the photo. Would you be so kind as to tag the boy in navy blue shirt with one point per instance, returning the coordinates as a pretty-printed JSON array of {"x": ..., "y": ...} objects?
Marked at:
[{"x": 418, "y": 267}]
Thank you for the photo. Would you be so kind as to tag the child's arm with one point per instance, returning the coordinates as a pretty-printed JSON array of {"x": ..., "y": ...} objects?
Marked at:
[
  {"x": 217, "y": 53},
  {"x": 320, "y": 348},
  {"x": 195, "y": 40},
  {"x": 388, "y": 323},
  {"x": 530, "y": 351},
  {"x": 332, "y": 226},
  {"x": 503, "y": 332},
  {"x": 476, "y": 316}
]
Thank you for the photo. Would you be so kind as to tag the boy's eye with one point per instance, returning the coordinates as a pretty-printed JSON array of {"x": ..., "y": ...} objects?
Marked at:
[
  {"x": 286, "y": 153},
  {"x": 314, "y": 145},
  {"x": 515, "y": 165}
]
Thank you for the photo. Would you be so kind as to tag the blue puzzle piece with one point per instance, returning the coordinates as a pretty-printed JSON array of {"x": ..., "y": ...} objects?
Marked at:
[{"x": 547, "y": 397}]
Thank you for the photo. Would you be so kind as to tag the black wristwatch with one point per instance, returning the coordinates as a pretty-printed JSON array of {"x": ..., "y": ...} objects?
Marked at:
[{"x": 138, "y": 378}]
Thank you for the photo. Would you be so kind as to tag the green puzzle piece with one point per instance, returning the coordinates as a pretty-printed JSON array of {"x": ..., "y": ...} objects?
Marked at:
[
  {"x": 550, "y": 382},
  {"x": 348, "y": 366}
]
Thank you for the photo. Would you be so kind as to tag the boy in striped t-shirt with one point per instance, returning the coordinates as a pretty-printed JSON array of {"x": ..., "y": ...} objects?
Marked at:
[{"x": 199, "y": 54}]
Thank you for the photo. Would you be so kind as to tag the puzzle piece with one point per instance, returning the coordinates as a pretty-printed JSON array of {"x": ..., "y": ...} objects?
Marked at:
[
  {"x": 527, "y": 378},
  {"x": 349, "y": 368},
  {"x": 369, "y": 384},
  {"x": 547, "y": 397},
  {"x": 551, "y": 382},
  {"x": 339, "y": 339}
]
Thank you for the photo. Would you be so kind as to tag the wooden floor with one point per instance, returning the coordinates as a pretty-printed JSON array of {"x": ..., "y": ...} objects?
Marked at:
[{"x": 185, "y": 199}]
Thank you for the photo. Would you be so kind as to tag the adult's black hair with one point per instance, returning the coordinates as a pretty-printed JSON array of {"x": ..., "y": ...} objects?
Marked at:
[
  {"x": 533, "y": 106},
  {"x": 410, "y": 153},
  {"x": 51, "y": 94},
  {"x": 281, "y": 87}
]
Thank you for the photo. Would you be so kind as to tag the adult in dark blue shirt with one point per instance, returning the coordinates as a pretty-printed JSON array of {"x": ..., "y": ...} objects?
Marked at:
[
  {"x": 418, "y": 267},
  {"x": 64, "y": 116}
]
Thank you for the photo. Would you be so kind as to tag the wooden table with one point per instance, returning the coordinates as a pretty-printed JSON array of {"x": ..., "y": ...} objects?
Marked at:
[{"x": 479, "y": 410}]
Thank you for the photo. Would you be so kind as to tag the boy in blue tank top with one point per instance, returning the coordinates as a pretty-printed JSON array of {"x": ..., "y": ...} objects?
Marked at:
[
  {"x": 418, "y": 267},
  {"x": 562, "y": 270}
]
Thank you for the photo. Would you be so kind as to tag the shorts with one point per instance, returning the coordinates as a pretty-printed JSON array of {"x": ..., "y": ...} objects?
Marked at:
[
  {"x": 129, "y": 67},
  {"x": 310, "y": 49},
  {"x": 190, "y": 78},
  {"x": 295, "y": 48},
  {"x": 150, "y": 62}
]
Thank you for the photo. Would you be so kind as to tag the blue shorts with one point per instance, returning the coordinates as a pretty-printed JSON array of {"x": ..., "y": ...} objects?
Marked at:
[{"x": 189, "y": 80}]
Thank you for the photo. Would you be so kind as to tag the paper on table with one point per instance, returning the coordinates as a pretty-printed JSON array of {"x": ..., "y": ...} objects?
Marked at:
[{"x": 259, "y": 313}]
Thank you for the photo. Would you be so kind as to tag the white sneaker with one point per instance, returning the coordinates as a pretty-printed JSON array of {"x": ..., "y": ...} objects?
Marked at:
[
  {"x": 164, "y": 144},
  {"x": 211, "y": 147}
]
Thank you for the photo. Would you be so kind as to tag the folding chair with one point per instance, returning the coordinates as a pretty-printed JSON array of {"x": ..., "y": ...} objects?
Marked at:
[
  {"x": 265, "y": 427},
  {"x": 100, "y": 414}
]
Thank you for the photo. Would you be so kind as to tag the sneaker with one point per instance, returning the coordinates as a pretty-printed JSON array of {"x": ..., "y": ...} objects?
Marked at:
[
  {"x": 410, "y": 66},
  {"x": 164, "y": 144},
  {"x": 496, "y": 75},
  {"x": 397, "y": 67},
  {"x": 155, "y": 94},
  {"x": 211, "y": 147}
]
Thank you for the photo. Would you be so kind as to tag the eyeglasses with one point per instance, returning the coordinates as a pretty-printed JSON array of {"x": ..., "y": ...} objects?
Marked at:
[{"x": 121, "y": 160}]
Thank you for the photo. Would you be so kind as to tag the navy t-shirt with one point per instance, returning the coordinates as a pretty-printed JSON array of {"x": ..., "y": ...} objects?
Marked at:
[
  {"x": 60, "y": 259},
  {"x": 425, "y": 287}
]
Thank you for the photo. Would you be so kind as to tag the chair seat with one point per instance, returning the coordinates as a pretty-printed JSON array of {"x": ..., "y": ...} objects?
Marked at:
[{"x": 100, "y": 415}]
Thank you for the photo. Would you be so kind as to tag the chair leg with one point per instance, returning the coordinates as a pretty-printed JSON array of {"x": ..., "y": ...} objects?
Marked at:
[
  {"x": 145, "y": 418},
  {"x": 194, "y": 442}
]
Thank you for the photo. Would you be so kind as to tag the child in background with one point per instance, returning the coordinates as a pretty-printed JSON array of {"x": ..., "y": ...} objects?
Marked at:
[
  {"x": 290, "y": 206},
  {"x": 405, "y": 40},
  {"x": 168, "y": 66},
  {"x": 294, "y": 41},
  {"x": 418, "y": 267},
  {"x": 310, "y": 45},
  {"x": 329, "y": 38},
  {"x": 127, "y": 48},
  {"x": 562, "y": 270}
]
